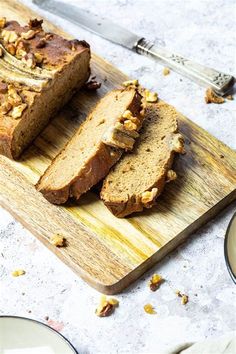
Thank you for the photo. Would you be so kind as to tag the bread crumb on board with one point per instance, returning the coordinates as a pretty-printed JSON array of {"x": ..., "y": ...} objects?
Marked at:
[
  {"x": 148, "y": 308},
  {"x": 184, "y": 298},
  {"x": 166, "y": 71},
  {"x": 57, "y": 240},
  {"x": 212, "y": 97},
  {"x": 18, "y": 272},
  {"x": 130, "y": 83},
  {"x": 155, "y": 282},
  {"x": 106, "y": 307}
]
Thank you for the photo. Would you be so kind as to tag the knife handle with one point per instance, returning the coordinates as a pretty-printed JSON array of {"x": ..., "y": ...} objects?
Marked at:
[{"x": 220, "y": 82}]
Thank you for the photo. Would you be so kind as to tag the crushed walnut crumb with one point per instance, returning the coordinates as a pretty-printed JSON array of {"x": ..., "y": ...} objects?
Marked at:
[
  {"x": 18, "y": 111},
  {"x": 149, "y": 196},
  {"x": 92, "y": 85},
  {"x": 230, "y": 97},
  {"x": 18, "y": 272},
  {"x": 57, "y": 240},
  {"x": 3, "y": 22},
  {"x": 148, "y": 308},
  {"x": 35, "y": 23},
  {"x": 155, "y": 282},
  {"x": 130, "y": 83},
  {"x": 29, "y": 60},
  {"x": 184, "y": 298},
  {"x": 166, "y": 71},
  {"x": 1, "y": 52},
  {"x": 171, "y": 176},
  {"x": 11, "y": 48},
  {"x": 212, "y": 97},
  {"x": 106, "y": 306},
  {"x": 28, "y": 35},
  {"x": 151, "y": 97}
]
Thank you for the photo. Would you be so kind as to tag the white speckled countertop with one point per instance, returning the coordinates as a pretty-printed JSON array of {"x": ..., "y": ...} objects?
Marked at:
[{"x": 203, "y": 30}]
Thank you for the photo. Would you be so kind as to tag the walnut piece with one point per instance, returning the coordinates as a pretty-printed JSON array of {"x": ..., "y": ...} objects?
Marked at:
[
  {"x": 29, "y": 60},
  {"x": 230, "y": 97},
  {"x": 3, "y": 87},
  {"x": 151, "y": 97},
  {"x": 28, "y": 35},
  {"x": 35, "y": 23},
  {"x": 18, "y": 272},
  {"x": 18, "y": 111},
  {"x": 148, "y": 308},
  {"x": 129, "y": 125},
  {"x": 42, "y": 43},
  {"x": 149, "y": 196},
  {"x": 171, "y": 176},
  {"x": 13, "y": 97},
  {"x": 166, "y": 71},
  {"x": 5, "y": 107},
  {"x": 1, "y": 52},
  {"x": 11, "y": 48},
  {"x": 178, "y": 144},
  {"x": 3, "y": 22},
  {"x": 9, "y": 36},
  {"x": 106, "y": 306},
  {"x": 212, "y": 97},
  {"x": 184, "y": 298},
  {"x": 38, "y": 58},
  {"x": 155, "y": 282},
  {"x": 92, "y": 85},
  {"x": 57, "y": 240},
  {"x": 130, "y": 83}
]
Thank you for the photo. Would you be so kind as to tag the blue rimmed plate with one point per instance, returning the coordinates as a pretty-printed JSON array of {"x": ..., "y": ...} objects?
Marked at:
[{"x": 230, "y": 248}]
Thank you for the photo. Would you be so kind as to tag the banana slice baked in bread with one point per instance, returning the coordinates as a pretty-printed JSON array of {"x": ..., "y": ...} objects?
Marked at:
[
  {"x": 39, "y": 72},
  {"x": 109, "y": 129},
  {"x": 138, "y": 178}
]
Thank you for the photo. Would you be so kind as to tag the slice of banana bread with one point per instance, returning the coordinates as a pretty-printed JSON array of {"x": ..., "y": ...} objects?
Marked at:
[
  {"x": 138, "y": 178},
  {"x": 39, "y": 72},
  {"x": 109, "y": 129}
]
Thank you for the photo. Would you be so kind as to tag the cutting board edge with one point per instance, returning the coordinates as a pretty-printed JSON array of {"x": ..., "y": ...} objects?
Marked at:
[{"x": 133, "y": 275}]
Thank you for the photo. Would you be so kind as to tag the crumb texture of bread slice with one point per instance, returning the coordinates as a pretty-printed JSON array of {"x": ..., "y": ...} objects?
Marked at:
[
  {"x": 39, "y": 72},
  {"x": 89, "y": 155},
  {"x": 139, "y": 177}
]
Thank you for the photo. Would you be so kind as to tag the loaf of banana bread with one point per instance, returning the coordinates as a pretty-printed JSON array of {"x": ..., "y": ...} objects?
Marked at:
[{"x": 39, "y": 72}]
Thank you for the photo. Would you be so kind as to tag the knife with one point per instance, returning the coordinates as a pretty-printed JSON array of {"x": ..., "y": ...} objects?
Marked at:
[{"x": 205, "y": 76}]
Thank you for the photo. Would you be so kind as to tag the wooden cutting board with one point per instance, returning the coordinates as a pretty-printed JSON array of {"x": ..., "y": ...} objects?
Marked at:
[{"x": 110, "y": 253}]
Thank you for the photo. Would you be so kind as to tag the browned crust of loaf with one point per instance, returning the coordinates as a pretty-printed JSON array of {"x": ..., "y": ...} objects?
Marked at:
[
  {"x": 57, "y": 54},
  {"x": 133, "y": 203},
  {"x": 96, "y": 168},
  {"x": 56, "y": 50}
]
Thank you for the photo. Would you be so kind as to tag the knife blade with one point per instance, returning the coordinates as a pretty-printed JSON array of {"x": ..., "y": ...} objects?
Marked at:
[{"x": 219, "y": 81}]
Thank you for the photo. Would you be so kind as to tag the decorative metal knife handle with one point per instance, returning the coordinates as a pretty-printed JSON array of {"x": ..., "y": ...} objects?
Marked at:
[{"x": 220, "y": 82}]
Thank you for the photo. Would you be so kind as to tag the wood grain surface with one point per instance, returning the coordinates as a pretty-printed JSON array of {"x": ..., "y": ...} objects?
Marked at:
[{"x": 110, "y": 253}]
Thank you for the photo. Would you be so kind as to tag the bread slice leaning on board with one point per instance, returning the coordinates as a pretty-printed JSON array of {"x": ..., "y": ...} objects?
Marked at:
[
  {"x": 39, "y": 72},
  {"x": 139, "y": 177},
  {"x": 110, "y": 129}
]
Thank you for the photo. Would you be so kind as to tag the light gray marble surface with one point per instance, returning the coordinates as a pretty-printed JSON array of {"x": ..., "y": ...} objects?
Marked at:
[{"x": 203, "y": 30}]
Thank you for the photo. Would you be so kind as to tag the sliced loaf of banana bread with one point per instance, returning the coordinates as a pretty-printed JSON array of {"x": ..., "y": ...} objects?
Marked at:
[
  {"x": 109, "y": 129},
  {"x": 39, "y": 72},
  {"x": 139, "y": 177}
]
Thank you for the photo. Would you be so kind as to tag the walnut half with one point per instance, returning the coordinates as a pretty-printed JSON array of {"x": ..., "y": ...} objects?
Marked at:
[{"x": 106, "y": 306}]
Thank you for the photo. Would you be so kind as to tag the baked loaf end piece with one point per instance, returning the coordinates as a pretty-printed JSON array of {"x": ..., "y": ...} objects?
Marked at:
[
  {"x": 39, "y": 72},
  {"x": 95, "y": 148},
  {"x": 138, "y": 178}
]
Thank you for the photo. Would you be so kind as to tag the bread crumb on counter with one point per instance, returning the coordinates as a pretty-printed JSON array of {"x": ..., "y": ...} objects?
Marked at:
[
  {"x": 155, "y": 282},
  {"x": 130, "y": 83},
  {"x": 106, "y": 307},
  {"x": 148, "y": 308},
  {"x": 166, "y": 71},
  {"x": 18, "y": 272},
  {"x": 212, "y": 97},
  {"x": 57, "y": 240},
  {"x": 230, "y": 97},
  {"x": 184, "y": 298}
]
